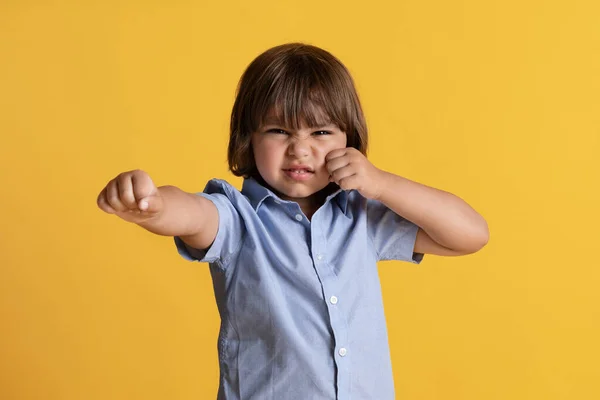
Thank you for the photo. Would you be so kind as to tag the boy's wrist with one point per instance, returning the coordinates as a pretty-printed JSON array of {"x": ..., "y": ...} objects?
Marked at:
[
  {"x": 178, "y": 211},
  {"x": 383, "y": 182}
]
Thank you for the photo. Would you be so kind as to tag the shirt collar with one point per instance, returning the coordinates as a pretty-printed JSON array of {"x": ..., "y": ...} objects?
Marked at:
[{"x": 257, "y": 194}]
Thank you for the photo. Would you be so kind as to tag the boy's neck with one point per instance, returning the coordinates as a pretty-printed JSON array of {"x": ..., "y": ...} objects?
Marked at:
[{"x": 309, "y": 205}]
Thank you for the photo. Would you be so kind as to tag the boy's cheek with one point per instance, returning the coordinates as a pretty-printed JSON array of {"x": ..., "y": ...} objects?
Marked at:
[{"x": 332, "y": 147}]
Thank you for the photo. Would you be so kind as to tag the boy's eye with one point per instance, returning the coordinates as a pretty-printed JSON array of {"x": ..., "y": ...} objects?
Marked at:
[
  {"x": 278, "y": 131},
  {"x": 283, "y": 132}
]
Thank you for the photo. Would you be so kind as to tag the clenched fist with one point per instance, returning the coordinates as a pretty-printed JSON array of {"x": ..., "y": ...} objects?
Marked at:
[{"x": 132, "y": 196}]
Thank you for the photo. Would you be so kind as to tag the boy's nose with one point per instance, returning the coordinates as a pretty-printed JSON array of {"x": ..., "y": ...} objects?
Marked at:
[{"x": 298, "y": 148}]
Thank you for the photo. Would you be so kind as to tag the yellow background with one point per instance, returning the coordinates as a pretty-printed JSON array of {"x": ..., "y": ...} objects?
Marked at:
[{"x": 495, "y": 101}]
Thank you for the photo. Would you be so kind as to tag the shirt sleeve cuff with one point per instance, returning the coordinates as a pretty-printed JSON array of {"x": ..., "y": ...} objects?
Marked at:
[
  {"x": 212, "y": 254},
  {"x": 413, "y": 257}
]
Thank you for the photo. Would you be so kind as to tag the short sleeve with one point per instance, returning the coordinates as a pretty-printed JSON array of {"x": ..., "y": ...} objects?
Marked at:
[
  {"x": 229, "y": 237},
  {"x": 393, "y": 236}
]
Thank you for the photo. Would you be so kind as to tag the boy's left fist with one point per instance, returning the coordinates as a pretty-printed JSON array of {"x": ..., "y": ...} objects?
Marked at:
[{"x": 350, "y": 169}]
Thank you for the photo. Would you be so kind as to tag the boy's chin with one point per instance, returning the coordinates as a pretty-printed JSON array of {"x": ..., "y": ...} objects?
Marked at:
[
  {"x": 308, "y": 191},
  {"x": 299, "y": 193}
]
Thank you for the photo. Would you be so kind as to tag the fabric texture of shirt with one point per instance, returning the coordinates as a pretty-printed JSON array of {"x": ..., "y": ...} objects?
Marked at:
[{"x": 300, "y": 300}]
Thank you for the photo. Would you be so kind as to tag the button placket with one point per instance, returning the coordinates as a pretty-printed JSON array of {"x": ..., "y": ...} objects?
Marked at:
[{"x": 329, "y": 283}]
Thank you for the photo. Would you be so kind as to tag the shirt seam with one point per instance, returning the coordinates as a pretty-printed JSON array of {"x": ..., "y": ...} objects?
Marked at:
[
  {"x": 377, "y": 255},
  {"x": 226, "y": 261}
]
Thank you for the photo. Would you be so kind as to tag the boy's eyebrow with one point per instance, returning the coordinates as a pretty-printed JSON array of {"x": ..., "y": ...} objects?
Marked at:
[{"x": 281, "y": 122}]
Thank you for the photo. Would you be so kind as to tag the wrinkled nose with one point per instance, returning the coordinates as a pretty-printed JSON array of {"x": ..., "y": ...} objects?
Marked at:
[{"x": 298, "y": 148}]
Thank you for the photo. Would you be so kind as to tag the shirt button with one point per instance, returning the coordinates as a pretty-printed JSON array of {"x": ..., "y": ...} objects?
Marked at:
[
  {"x": 333, "y": 300},
  {"x": 320, "y": 257},
  {"x": 298, "y": 217},
  {"x": 342, "y": 352}
]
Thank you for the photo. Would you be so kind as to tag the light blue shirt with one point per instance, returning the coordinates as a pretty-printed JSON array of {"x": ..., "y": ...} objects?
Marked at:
[{"x": 300, "y": 301}]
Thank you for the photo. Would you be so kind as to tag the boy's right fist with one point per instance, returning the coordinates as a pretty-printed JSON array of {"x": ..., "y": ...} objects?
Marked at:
[{"x": 132, "y": 196}]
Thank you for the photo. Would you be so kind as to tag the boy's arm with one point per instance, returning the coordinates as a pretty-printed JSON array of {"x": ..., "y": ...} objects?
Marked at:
[
  {"x": 193, "y": 218},
  {"x": 449, "y": 226}
]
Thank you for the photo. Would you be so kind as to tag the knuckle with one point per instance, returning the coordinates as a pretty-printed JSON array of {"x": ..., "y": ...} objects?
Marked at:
[
  {"x": 139, "y": 173},
  {"x": 112, "y": 198},
  {"x": 101, "y": 200},
  {"x": 124, "y": 177}
]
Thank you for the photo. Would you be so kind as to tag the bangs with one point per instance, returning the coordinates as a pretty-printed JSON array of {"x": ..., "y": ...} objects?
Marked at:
[
  {"x": 303, "y": 94},
  {"x": 294, "y": 115}
]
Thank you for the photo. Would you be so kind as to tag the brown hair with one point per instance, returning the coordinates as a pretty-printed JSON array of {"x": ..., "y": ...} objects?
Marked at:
[{"x": 299, "y": 83}]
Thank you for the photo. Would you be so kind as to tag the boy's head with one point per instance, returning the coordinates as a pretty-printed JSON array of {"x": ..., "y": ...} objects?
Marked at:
[{"x": 284, "y": 95}]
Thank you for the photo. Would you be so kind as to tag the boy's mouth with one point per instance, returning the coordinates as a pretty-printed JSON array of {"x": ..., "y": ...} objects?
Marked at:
[
  {"x": 298, "y": 169},
  {"x": 299, "y": 173}
]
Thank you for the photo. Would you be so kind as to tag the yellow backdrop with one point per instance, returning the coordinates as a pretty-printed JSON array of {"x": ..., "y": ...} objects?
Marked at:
[{"x": 495, "y": 101}]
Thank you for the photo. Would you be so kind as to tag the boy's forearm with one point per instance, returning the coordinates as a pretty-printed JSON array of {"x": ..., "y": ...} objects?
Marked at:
[
  {"x": 182, "y": 214},
  {"x": 446, "y": 218}
]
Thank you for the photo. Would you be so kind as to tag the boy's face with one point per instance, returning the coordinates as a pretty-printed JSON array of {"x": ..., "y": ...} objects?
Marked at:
[{"x": 291, "y": 161}]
